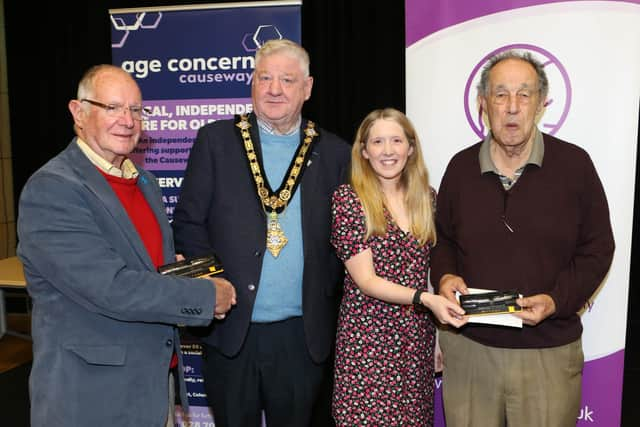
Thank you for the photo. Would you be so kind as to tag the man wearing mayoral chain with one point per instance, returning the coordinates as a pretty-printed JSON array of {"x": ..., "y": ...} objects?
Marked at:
[{"x": 271, "y": 352}]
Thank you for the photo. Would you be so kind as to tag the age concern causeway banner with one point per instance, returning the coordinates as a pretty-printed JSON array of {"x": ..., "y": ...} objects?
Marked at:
[
  {"x": 591, "y": 52},
  {"x": 194, "y": 65}
]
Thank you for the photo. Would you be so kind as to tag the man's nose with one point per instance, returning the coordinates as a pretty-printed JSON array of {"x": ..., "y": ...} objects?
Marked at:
[
  {"x": 512, "y": 104},
  {"x": 275, "y": 88},
  {"x": 126, "y": 117}
]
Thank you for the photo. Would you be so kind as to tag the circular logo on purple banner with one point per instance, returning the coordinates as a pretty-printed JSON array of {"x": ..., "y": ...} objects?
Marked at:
[{"x": 558, "y": 99}]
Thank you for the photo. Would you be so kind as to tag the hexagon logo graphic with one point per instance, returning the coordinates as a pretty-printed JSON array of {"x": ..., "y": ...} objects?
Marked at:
[
  {"x": 125, "y": 23},
  {"x": 254, "y": 41}
]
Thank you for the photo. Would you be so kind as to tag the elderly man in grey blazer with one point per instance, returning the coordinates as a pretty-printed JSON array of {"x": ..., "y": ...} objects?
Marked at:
[{"x": 92, "y": 232}]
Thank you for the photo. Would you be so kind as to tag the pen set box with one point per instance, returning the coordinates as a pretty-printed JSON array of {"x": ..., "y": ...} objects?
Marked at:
[
  {"x": 202, "y": 266},
  {"x": 490, "y": 302}
]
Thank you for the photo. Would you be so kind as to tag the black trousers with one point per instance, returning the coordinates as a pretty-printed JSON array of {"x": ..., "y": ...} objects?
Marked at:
[{"x": 274, "y": 373}]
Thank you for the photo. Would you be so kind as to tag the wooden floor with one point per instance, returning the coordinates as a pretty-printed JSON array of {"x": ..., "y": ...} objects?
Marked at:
[{"x": 15, "y": 350}]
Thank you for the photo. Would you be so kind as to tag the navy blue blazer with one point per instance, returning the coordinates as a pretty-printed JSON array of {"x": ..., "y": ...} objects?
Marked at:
[
  {"x": 103, "y": 319},
  {"x": 219, "y": 211}
]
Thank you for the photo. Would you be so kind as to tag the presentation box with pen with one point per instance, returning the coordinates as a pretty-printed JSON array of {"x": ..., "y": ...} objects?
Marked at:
[
  {"x": 202, "y": 266},
  {"x": 494, "y": 302}
]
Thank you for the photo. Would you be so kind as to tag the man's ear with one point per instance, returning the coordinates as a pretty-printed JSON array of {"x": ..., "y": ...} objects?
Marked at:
[
  {"x": 541, "y": 106},
  {"x": 482, "y": 104},
  {"x": 482, "y": 110},
  {"x": 308, "y": 85},
  {"x": 77, "y": 112}
]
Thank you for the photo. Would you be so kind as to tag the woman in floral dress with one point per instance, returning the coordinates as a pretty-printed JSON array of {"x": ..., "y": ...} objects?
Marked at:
[{"x": 383, "y": 230}]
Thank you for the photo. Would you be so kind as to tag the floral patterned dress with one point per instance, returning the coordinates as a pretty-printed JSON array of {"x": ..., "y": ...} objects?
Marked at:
[{"x": 384, "y": 367}]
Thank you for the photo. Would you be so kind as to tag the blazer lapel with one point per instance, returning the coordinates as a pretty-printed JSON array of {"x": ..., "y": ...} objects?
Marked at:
[
  {"x": 154, "y": 200},
  {"x": 308, "y": 196},
  {"x": 98, "y": 185},
  {"x": 310, "y": 174},
  {"x": 257, "y": 147}
]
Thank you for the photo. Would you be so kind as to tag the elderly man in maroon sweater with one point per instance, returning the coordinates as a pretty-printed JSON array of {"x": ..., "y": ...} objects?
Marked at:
[{"x": 526, "y": 211}]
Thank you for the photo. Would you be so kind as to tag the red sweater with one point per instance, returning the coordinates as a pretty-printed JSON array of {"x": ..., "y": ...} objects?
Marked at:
[
  {"x": 143, "y": 219},
  {"x": 140, "y": 213}
]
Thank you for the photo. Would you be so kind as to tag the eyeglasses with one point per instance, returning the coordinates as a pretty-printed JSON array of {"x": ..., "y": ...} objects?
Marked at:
[
  {"x": 523, "y": 97},
  {"x": 138, "y": 112}
]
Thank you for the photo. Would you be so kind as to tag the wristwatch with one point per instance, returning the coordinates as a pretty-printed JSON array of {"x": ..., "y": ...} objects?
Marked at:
[{"x": 416, "y": 297}]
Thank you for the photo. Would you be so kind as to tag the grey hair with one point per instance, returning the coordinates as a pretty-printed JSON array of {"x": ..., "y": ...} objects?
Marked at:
[
  {"x": 86, "y": 87},
  {"x": 285, "y": 46},
  {"x": 543, "y": 81}
]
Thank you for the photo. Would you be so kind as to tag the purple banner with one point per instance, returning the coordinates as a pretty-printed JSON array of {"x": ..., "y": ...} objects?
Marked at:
[
  {"x": 171, "y": 128},
  {"x": 443, "y": 72},
  {"x": 194, "y": 66},
  {"x": 428, "y": 17},
  {"x": 605, "y": 374}
]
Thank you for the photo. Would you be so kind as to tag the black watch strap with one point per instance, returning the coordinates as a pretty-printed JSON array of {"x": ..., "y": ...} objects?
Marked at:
[{"x": 416, "y": 297}]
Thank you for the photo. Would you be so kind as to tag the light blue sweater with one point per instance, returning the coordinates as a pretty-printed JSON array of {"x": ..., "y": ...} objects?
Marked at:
[{"x": 280, "y": 290}]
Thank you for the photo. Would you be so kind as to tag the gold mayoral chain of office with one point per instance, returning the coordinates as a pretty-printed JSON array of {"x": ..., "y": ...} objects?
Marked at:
[{"x": 275, "y": 203}]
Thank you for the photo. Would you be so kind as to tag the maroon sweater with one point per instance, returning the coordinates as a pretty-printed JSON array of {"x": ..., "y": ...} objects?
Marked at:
[{"x": 561, "y": 244}]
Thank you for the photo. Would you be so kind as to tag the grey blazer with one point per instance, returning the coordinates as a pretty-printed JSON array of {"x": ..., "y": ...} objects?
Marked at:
[{"x": 103, "y": 321}]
